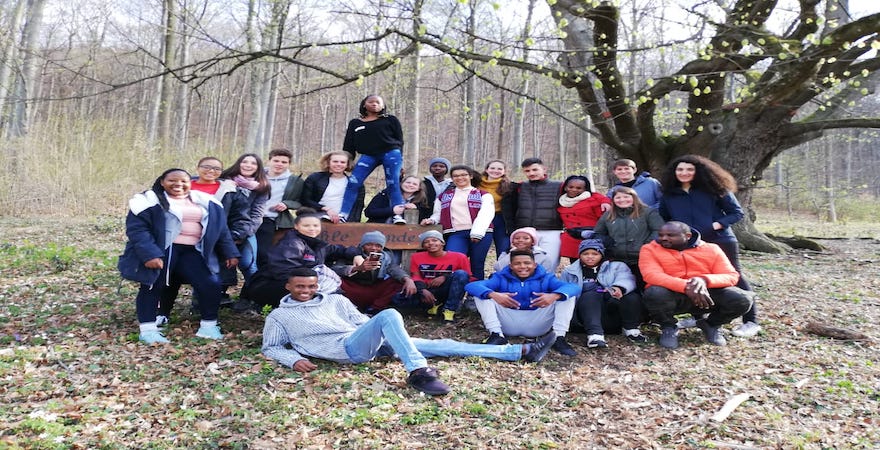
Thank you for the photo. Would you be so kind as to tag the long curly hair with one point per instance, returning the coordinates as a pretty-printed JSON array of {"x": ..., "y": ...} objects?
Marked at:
[{"x": 709, "y": 176}]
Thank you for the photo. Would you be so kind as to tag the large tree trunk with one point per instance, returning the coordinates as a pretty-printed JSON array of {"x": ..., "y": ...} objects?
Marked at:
[{"x": 745, "y": 148}]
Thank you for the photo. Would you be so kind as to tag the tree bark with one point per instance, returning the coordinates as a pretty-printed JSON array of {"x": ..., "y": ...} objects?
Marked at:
[
  {"x": 10, "y": 56},
  {"x": 27, "y": 79},
  {"x": 166, "y": 97}
]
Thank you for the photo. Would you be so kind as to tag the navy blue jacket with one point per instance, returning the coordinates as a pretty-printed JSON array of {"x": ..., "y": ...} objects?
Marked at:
[
  {"x": 147, "y": 225},
  {"x": 699, "y": 209}
]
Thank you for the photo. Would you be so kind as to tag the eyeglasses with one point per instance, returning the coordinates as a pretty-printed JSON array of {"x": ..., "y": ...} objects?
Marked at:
[{"x": 212, "y": 168}]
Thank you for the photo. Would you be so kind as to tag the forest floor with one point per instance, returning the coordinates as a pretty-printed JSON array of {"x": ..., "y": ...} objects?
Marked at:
[{"x": 72, "y": 374}]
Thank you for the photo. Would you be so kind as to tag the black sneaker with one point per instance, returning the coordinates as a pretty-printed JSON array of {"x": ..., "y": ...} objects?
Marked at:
[
  {"x": 562, "y": 346},
  {"x": 637, "y": 338},
  {"x": 538, "y": 349},
  {"x": 495, "y": 339},
  {"x": 225, "y": 300},
  {"x": 427, "y": 380},
  {"x": 596, "y": 341},
  {"x": 243, "y": 305}
]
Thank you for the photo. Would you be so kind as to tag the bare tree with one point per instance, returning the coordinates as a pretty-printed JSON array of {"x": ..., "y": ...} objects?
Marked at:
[{"x": 26, "y": 79}]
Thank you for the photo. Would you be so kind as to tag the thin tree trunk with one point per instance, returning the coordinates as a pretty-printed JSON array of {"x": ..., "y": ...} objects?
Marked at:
[
  {"x": 10, "y": 55},
  {"x": 183, "y": 99},
  {"x": 166, "y": 102},
  {"x": 27, "y": 79},
  {"x": 829, "y": 182}
]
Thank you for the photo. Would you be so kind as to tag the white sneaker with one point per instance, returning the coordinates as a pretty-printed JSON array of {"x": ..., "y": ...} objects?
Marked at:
[
  {"x": 689, "y": 322},
  {"x": 746, "y": 330},
  {"x": 161, "y": 321}
]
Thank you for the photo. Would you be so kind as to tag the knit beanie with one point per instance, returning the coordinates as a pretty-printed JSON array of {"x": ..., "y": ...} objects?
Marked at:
[
  {"x": 531, "y": 231},
  {"x": 372, "y": 237},
  {"x": 592, "y": 244},
  {"x": 431, "y": 234},
  {"x": 443, "y": 161}
]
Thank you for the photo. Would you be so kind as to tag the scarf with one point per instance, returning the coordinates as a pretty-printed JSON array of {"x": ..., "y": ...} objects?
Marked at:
[
  {"x": 248, "y": 183},
  {"x": 567, "y": 202}
]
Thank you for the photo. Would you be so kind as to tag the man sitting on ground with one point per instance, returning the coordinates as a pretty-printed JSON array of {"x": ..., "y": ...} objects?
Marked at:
[
  {"x": 373, "y": 278},
  {"x": 524, "y": 300},
  {"x": 686, "y": 275},
  {"x": 328, "y": 326},
  {"x": 440, "y": 275}
]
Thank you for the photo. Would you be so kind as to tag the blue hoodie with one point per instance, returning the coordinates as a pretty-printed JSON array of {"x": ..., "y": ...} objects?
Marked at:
[
  {"x": 647, "y": 188},
  {"x": 506, "y": 281}
]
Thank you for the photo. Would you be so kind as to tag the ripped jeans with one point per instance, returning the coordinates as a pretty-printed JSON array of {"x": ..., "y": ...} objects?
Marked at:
[{"x": 391, "y": 161}]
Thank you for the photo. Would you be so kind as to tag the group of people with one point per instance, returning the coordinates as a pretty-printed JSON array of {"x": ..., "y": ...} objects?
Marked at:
[{"x": 647, "y": 250}]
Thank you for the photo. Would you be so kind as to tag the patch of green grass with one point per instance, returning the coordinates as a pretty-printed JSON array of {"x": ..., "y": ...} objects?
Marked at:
[
  {"x": 431, "y": 413},
  {"x": 51, "y": 257}
]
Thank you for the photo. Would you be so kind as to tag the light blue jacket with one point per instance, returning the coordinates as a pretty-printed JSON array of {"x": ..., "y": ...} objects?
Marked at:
[{"x": 611, "y": 273}]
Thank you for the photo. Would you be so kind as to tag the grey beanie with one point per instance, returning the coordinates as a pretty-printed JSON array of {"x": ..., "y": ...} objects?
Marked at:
[
  {"x": 373, "y": 237},
  {"x": 439, "y": 160},
  {"x": 594, "y": 244},
  {"x": 431, "y": 234}
]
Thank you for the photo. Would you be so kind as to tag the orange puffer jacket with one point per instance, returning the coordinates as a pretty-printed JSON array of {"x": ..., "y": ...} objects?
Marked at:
[{"x": 672, "y": 268}]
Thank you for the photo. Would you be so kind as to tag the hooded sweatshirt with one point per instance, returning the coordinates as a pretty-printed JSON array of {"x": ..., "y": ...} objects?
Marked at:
[
  {"x": 317, "y": 328},
  {"x": 671, "y": 268}
]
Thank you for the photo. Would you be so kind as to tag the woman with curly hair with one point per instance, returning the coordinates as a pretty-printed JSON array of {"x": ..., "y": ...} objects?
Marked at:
[{"x": 699, "y": 192}]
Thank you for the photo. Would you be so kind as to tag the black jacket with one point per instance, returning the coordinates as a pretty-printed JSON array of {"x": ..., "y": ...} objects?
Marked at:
[{"x": 314, "y": 188}]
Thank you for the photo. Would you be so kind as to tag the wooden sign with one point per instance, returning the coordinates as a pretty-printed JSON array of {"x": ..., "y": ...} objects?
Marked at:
[{"x": 399, "y": 237}]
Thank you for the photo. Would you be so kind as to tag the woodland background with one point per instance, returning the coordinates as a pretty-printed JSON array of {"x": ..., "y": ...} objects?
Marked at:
[{"x": 99, "y": 96}]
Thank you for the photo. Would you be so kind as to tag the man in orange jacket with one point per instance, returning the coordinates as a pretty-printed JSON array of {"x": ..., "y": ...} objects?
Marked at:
[{"x": 686, "y": 275}]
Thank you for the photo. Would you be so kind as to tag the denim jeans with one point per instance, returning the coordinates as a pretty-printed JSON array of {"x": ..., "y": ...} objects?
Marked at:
[
  {"x": 247, "y": 263},
  {"x": 391, "y": 161},
  {"x": 499, "y": 235},
  {"x": 460, "y": 241},
  {"x": 386, "y": 329},
  {"x": 452, "y": 290},
  {"x": 600, "y": 313}
]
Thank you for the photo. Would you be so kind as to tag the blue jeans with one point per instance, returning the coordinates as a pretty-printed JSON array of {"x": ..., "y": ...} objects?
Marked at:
[
  {"x": 391, "y": 161},
  {"x": 460, "y": 241},
  {"x": 386, "y": 329},
  {"x": 500, "y": 235},
  {"x": 247, "y": 263},
  {"x": 451, "y": 291},
  {"x": 184, "y": 264}
]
